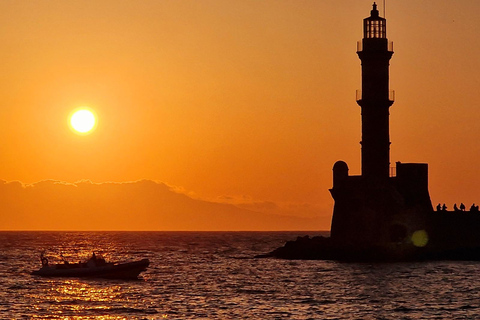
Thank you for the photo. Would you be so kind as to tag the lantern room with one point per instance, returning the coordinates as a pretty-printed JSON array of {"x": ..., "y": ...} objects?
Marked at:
[{"x": 374, "y": 27}]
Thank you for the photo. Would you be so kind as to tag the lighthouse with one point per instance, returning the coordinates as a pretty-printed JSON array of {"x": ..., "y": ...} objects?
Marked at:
[
  {"x": 378, "y": 216},
  {"x": 375, "y": 99},
  {"x": 375, "y": 208}
]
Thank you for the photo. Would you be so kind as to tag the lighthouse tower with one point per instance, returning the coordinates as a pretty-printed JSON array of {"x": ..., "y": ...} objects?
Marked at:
[
  {"x": 376, "y": 209},
  {"x": 375, "y": 99}
]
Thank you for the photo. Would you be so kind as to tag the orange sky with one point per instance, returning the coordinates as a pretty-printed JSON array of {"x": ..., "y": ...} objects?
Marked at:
[{"x": 236, "y": 101}]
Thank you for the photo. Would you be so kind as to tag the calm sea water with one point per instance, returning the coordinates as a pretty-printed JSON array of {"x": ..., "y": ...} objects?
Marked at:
[{"x": 203, "y": 275}]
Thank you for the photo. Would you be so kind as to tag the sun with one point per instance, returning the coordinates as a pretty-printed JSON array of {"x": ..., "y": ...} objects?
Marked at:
[{"x": 83, "y": 121}]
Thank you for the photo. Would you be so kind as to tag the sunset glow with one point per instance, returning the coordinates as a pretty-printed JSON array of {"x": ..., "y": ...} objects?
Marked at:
[{"x": 243, "y": 103}]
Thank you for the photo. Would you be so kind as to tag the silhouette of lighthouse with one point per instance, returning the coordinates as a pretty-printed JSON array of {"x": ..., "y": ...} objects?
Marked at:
[
  {"x": 375, "y": 52},
  {"x": 376, "y": 208},
  {"x": 378, "y": 216}
]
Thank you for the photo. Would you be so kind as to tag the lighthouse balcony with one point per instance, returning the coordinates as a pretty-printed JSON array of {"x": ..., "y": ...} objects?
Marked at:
[
  {"x": 375, "y": 46},
  {"x": 360, "y": 98}
]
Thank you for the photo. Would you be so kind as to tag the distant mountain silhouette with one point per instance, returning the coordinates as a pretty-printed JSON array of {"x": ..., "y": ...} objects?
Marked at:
[{"x": 139, "y": 205}]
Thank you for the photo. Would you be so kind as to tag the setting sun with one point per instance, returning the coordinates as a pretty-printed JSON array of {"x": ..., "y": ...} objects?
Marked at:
[{"x": 83, "y": 121}]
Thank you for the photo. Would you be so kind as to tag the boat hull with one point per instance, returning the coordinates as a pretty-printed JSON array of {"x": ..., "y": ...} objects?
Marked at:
[{"x": 129, "y": 270}]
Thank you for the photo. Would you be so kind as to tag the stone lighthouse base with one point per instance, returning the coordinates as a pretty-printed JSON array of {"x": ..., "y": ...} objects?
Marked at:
[{"x": 389, "y": 220}]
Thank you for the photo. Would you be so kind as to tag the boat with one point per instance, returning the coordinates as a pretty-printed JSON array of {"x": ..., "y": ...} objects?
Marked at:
[{"x": 95, "y": 267}]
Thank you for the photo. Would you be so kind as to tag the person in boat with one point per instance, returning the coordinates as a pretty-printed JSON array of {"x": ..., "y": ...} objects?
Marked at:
[
  {"x": 95, "y": 262},
  {"x": 44, "y": 260},
  {"x": 100, "y": 261},
  {"x": 92, "y": 262}
]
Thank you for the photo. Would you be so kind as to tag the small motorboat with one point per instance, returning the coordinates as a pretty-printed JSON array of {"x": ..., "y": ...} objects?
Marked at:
[{"x": 95, "y": 267}]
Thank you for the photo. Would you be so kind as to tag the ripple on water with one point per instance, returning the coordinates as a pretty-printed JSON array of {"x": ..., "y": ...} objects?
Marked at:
[{"x": 200, "y": 276}]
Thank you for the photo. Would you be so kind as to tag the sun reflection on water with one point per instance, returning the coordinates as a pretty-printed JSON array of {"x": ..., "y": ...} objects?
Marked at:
[
  {"x": 77, "y": 299},
  {"x": 78, "y": 290},
  {"x": 87, "y": 318}
]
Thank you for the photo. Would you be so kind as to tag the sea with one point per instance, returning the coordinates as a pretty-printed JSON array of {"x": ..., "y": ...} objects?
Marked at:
[{"x": 214, "y": 275}]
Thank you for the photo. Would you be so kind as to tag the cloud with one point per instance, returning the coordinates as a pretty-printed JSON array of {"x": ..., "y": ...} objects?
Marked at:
[
  {"x": 280, "y": 208},
  {"x": 136, "y": 205}
]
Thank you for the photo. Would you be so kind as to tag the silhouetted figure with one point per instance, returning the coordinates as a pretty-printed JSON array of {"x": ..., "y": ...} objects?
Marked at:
[
  {"x": 43, "y": 259},
  {"x": 455, "y": 208},
  {"x": 95, "y": 261},
  {"x": 444, "y": 207},
  {"x": 92, "y": 262},
  {"x": 439, "y": 207},
  {"x": 462, "y": 206},
  {"x": 474, "y": 208}
]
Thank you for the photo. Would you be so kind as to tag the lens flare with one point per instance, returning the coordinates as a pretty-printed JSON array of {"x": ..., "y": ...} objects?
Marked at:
[{"x": 420, "y": 238}]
